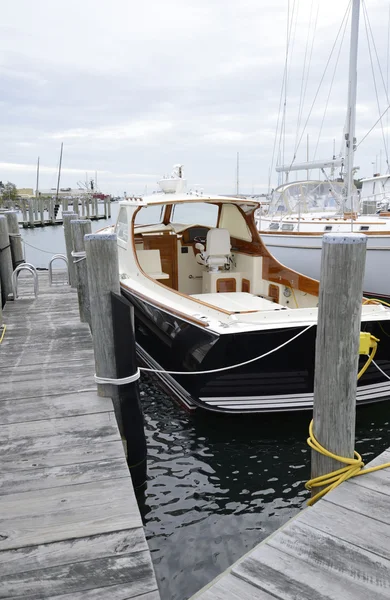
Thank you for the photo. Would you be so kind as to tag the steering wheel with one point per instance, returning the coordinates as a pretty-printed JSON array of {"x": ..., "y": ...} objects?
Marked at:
[{"x": 200, "y": 239}]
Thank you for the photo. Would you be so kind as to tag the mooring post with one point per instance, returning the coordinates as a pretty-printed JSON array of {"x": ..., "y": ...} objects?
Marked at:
[
  {"x": 337, "y": 348},
  {"x": 6, "y": 268},
  {"x": 24, "y": 212},
  {"x": 41, "y": 210},
  {"x": 103, "y": 278},
  {"x": 129, "y": 396},
  {"x": 67, "y": 218},
  {"x": 52, "y": 216},
  {"x": 79, "y": 229},
  {"x": 31, "y": 212},
  {"x": 15, "y": 238},
  {"x": 109, "y": 207},
  {"x": 87, "y": 213}
]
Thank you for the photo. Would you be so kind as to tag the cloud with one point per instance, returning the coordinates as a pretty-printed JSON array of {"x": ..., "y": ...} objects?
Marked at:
[{"x": 133, "y": 88}]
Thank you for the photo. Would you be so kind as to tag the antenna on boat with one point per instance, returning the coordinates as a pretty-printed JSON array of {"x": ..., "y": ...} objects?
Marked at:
[
  {"x": 350, "y": 140},
  {"x": 59, "y": 172},
  {"x": 238, "y": 175}
]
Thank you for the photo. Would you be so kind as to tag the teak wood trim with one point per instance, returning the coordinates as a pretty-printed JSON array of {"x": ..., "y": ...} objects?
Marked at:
[
  {"x": 169, "y": 309},
  {"x": 245, "y": 285},
  {"x": 222, "y": 282}
]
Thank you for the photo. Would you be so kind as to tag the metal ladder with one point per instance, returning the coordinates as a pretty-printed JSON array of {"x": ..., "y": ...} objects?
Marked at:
[
  {"x": 58, "y": 257},
  {"x": 24, "y": 267}
]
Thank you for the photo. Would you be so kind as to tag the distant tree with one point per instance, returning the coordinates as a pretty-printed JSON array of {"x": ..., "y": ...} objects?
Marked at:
[{"x": 8, "y": 191}]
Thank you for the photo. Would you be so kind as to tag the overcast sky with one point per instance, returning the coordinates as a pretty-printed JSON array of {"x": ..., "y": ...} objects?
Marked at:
[{"x": 132, "y": 87}]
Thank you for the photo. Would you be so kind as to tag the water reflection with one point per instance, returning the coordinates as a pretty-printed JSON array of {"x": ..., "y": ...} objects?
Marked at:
[{"x": 219, "y": 485}]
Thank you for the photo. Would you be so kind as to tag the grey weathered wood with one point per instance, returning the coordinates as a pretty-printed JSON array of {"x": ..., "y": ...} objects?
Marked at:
[
  {"x": 52, "y": 407},
  {"x": 132, "y": 568},
  {"x": 337, "y": 347},
  {"x": 70, "y": 528},
  {"x": 30, "y": 204},
  {"x": 289, "y": 577},
  {"x": 24, "y": 211},
  {"x": 101, "y": 448},
  {"x": 103, "y": 278},
  {"x": 52, "y": 217},
  {"x": 67, "y": 218},
  {"x": 41, "y": 206},
  {"x": 233, "y": 588},
  {"x": 42, "y": 479},
  {"x": 79, "y": 229},
  {"x": 5, "y": 260},
  {"x": 36, "y": 214},
  {"x": 65, "y": 512},
  {"x": 124, "y": 591},
  {"x": 366, "y": 533},
  {"x": 14, "y": 238}
]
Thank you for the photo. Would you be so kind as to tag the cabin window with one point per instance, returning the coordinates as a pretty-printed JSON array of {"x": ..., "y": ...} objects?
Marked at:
[
  {"x": 287, "y": 227},
  {"x": 274, "y": 226},
  {"x": 150, "y": 215},
  {"x": 122, "y": 226},
  {"x": 364, "y": 227},
  {"x": 233, "y": 220},
  {"x": 328, "y": 228},
  {"x": 195, "y": 213}
]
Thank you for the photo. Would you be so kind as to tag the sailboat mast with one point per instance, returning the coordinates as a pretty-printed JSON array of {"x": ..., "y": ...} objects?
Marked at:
[
  {"x": 351, "y": 114},
  {"x": 59, "y": 172},
  {"x": 37, "y": 184}
]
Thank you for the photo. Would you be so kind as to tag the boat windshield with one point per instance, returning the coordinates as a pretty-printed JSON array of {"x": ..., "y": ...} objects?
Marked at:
[
  {"x": 150, "y": 215},
  {"x": 307, "y": 196},
  {"x": 199, "y": 213}
]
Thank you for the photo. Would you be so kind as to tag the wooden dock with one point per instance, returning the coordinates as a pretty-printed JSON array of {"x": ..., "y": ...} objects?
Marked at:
[
  {"x": 70, "y": 528},
  {"x": 339, "y": 549}
]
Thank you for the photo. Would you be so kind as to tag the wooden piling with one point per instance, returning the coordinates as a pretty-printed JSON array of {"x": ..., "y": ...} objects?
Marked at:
[
  {"x": 14, "y": 238},
  {"x": 103, "y": 278},
  {"x": 80, "y": 228},
  {"x": 52, "y": 217},
  {"x": 41, "y": 210},
  {"x": 31, "y": 212},
  {"x": 24, "y": 212},
  {"x": 67, "y": 218},
  {"x": 337, "y": 347},
  {"x": 129, "y": 396},
  {"x": 6, "y": 268}
]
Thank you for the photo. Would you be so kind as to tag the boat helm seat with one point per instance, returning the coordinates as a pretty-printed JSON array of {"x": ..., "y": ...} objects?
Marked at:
[{"x": 217, "y": 252}]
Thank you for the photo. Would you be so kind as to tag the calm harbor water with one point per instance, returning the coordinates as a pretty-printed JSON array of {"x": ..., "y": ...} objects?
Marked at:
[{"x": 218, "y": 485}]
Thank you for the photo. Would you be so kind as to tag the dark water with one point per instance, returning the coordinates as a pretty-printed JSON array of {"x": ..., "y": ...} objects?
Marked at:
[{"x": 218, "y": 485}]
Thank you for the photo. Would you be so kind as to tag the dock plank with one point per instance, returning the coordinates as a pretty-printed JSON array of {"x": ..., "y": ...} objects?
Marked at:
[{"x": 52, "y": 407}]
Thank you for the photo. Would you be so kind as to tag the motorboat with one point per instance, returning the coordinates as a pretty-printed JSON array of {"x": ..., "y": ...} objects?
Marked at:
[{"x": 224, "y": 325}]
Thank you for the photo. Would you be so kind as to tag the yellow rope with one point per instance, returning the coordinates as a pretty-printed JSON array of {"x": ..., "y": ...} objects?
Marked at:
[
  {"x": 353, "y": 466},
  {"x": 373, "y": 300},
  {"x": 293, "y": 293},
  {"x": 2, "y": 333}
]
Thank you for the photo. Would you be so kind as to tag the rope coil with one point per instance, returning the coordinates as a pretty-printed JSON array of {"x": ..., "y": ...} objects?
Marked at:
[
  {"x": 121, "y": 381},
  {"x": 353, "y": 466},
  {"x": 81, "y": 255}
]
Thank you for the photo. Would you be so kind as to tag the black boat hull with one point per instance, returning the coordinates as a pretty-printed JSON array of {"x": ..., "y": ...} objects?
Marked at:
[{"x": 282, "y": 381}]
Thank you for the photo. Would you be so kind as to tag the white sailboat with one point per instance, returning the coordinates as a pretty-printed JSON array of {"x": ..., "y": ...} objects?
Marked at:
[{"x": 301, "y": 212}]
